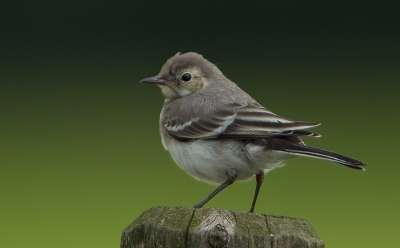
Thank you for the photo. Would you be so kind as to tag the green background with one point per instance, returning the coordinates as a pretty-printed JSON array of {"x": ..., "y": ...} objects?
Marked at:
[{"x": 80, "y": 153}]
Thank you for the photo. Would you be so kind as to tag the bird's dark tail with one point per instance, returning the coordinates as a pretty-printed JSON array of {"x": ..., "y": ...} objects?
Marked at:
[{"x": 308, "y": 151}]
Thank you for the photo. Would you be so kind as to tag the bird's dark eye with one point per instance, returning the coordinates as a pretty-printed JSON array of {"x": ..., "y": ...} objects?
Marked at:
[{"x": 186, "y": 76}]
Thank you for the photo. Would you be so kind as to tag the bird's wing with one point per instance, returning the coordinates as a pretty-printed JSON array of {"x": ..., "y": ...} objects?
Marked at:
[
  {"x": 200, "y": 122},
  {"x": 254, "y": 121},
  {"x": 216, "y": 120}
]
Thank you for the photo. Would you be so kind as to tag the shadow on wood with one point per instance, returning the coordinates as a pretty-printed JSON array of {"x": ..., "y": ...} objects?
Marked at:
[{"x": 216, "y": 228}]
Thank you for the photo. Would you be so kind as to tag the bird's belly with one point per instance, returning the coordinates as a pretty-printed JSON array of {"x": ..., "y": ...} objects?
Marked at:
[{"x": 212, "y": 161}]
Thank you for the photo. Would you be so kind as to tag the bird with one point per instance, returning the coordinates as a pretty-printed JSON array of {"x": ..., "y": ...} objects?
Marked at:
[{"x": 219, "y": 134}]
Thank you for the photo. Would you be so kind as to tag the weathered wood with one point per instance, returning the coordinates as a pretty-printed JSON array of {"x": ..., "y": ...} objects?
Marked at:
[{"x": 216, "y": 228}]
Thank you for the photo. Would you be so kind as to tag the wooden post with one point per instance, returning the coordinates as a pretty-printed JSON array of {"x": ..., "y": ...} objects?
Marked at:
[{"x": 185, "y": 227}]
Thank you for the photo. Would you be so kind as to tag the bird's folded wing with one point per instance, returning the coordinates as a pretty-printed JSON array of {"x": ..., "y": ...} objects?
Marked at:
[
  {"x": 257, "y": 122},
  {"x": 214, "y": 121},
  {"x": 205, "y": 124}
]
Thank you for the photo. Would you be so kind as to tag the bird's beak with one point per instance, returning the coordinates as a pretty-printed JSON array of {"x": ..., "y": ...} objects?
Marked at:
[{"x": 154, "y": 80}]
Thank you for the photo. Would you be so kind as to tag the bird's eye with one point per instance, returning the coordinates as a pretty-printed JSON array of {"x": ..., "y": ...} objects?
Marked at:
[{"x": 186, "y": 77}]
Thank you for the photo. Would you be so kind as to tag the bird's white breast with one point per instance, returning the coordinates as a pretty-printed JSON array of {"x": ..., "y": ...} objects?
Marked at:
[
  {"x": 214, "y": 160},
  {"x": 210, "y": 160}
]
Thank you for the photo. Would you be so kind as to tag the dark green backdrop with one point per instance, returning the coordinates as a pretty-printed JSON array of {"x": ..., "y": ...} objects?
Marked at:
[{"x": 80, "y": 154}]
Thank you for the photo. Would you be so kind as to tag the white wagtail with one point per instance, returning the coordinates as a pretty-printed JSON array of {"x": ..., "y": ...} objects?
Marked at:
[{"x": 218, "y": 133}]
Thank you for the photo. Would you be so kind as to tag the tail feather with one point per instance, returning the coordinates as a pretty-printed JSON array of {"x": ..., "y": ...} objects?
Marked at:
[{"x": 308, "y": 151}]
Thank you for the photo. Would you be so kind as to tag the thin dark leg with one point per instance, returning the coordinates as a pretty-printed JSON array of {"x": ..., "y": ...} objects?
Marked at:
[
  {"x": 225, "y": 184},
  {"x": 259, "y": 179}
]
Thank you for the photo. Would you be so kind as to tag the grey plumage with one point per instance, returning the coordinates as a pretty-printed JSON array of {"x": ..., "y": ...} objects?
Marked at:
[{"x": 218, "y": 133}]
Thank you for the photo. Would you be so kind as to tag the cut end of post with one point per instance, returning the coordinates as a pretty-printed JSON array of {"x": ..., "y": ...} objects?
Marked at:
[{"x": 212, "y": 227}]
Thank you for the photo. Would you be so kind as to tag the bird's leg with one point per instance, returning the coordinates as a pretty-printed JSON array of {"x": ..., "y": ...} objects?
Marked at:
[
  {"x": 259, "y": 179},
  {"x": 231, "y": 179}
]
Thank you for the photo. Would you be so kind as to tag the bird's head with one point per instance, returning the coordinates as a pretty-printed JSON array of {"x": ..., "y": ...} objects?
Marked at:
[{"x": 184, "y": 74}]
